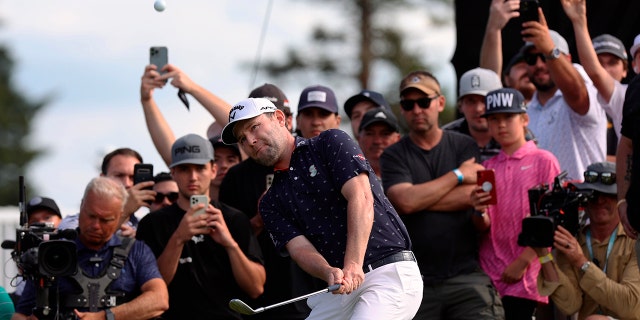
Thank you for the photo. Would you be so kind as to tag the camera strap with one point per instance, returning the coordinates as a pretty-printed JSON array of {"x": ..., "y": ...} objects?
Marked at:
[{"x": 94, "y": 290}]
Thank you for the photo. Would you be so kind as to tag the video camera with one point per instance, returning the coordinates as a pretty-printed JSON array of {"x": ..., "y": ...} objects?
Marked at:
[
  {"x": 40, "y": 251},
  {"x": 42, "y": 254},
  {"x": 549, "y": 209}
]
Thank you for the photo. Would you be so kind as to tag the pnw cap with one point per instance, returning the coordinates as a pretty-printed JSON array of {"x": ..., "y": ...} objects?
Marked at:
[
  {"x": 191, "y": 149},
  {"x": 478, "y": 81},
  {"x": 243, "y": 110},
  {"x": 319, "y": 97},
  {"x": 365, "y": 95},
  {"x": 379, "y": 115},
  {"x": 607, "y": 43},
  {"x": 558, "y": 41},
  {"x": 635, "y": 47},
  {"x": 273, "y": 94},
  {"x": 42, "y": 203},
  {"x": 505, "y": 100},
  {"x": 422, "y": 81},
  {"x": 217, "y": 142},
  {"x": 600, "y": 167}
]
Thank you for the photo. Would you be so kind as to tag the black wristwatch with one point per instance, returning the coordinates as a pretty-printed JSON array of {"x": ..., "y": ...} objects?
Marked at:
[
  {"x": 109, "y": 315},
  {"x": 554, "y": 54}
]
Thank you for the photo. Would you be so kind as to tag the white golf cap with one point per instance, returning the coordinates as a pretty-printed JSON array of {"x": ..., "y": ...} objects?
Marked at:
[{"x": 243, "y": 110}]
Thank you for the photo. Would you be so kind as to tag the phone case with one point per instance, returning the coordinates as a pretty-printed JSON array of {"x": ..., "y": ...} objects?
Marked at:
[
  {"x": 487, "y": 180},
  {"x": 159, "y": 56},
  {"x": 197, "y": 199},
  {"x": 142, "y": 172},
  {"x": 529, "y": 10}
]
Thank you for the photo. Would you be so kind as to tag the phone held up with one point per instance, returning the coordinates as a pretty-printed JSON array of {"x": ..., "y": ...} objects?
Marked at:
[
  {"x": 197, "y": 199},
  {"x": 529, "y": 10},
  {"x": 159, "y": 57},
  {"x": 487, "y": 180},
  {"x": 142, "y": 172}
]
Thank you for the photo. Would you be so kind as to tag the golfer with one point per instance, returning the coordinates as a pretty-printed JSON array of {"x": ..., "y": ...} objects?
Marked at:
[{"x": 327, "y": 209}]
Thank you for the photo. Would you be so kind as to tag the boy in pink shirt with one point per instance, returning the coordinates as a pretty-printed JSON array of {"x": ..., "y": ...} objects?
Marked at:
[{"x": 519, "y": 166}]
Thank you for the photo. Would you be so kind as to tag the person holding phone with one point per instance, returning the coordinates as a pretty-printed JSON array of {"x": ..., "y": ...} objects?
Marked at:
[
  {"x": 208, "y": 259},
  {"x": 519, "y": 166}
]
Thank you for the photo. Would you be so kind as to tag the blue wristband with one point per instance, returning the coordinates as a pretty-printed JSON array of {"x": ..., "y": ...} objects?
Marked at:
[{"x": 458, "y": 174}]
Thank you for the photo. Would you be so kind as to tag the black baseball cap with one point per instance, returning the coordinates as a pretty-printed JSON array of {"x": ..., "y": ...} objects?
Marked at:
[
  {"x": 365, "y": 95},
  {"x": 42, "y": 203},
  {"x": 379, "y": 115},
  {"x": 273, "y": 94},
  {"x": 217, "y": 142},
  {"x": 505, "y": 100}
]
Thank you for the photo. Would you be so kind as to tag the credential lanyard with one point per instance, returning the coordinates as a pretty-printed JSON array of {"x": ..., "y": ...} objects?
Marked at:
[{"x": 612, "y": 239}]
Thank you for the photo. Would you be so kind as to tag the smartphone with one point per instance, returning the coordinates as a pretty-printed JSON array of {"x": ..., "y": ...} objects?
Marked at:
[
  {"x": 197, "y": 199},
  {"x": 142, "y": 172},
  {"x": 529, "y": 10},
  {"x": 487, "y": 180},
  {"x": 159, "y": 56}
]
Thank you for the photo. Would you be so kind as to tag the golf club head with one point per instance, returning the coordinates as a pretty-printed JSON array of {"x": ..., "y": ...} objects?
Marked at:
[{"x": 239, "y": 306}]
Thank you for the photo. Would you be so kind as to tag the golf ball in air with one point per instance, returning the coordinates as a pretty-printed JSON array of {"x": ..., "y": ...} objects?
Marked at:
[{"x": 159, "y": 5}]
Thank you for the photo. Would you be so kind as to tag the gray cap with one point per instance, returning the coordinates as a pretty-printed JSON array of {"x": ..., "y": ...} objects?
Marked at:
[
  {"x": 191, "y": 149},
  {"x": 557, "y": 39},
  {"x": 597, "y": 169},
  {"x": 479, "y": 81},
  {"x": 635, "y": 46},
  {"x": 607, "y": 43}
]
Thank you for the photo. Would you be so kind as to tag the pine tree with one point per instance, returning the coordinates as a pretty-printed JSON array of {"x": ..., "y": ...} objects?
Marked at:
[{"x": 16, "y": 116}]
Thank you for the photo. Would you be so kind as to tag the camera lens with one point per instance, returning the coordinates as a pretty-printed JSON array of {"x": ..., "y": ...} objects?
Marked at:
[{"x": 57, "y": 258}]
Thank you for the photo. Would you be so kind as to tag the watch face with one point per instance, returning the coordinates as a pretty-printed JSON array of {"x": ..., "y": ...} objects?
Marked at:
[{"x": 555, "y": 53}]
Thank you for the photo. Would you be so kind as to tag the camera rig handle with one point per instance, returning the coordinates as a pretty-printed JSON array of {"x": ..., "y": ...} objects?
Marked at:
[{"x": 22, "y": 202}]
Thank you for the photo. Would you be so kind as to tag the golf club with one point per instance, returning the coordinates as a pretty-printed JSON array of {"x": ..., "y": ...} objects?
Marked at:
[{"x": 243, "y": 308}]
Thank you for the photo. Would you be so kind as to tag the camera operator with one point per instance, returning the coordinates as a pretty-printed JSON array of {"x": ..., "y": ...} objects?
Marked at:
[
  {"x": 39, "y": 210},
  {"x": 139, "y": 281},
  {"x": 597, "y": 272}
]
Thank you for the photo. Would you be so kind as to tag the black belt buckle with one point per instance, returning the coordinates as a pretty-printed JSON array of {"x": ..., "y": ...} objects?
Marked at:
[{"x": 404, "y": 255}]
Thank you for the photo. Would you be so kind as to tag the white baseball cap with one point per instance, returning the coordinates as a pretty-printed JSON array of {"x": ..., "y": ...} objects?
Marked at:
[
  {"x": 243, "y": 110},
  {"x": 479, "y": 81}
]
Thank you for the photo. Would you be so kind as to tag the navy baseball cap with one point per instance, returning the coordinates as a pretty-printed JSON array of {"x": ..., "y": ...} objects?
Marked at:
[
  {"x": 365, "y": 95},
  {"x": 318, "y": 96},
  {"x": 505, "y": 100}
]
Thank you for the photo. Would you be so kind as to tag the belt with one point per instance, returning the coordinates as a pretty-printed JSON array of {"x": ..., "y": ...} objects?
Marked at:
[{"x": 396, "y": 257}]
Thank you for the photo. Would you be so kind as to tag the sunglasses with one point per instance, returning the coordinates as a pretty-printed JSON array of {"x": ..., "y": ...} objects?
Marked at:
[
  {"x": 172, "y": 196},
  {"x": 532, "y": 58},
  {"x": 423, "y": 103},
  {"x": 607, "y": 178}
]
